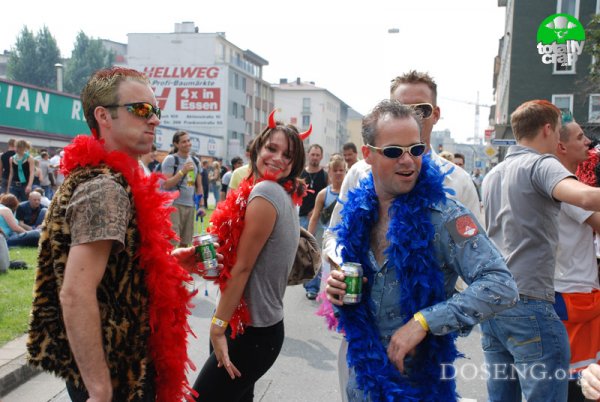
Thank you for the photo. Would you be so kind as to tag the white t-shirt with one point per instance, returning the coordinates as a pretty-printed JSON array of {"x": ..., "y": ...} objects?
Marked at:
[{"x": 576, "y": 270}]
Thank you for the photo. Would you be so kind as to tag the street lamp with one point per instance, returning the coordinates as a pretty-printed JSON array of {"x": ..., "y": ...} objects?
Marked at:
[{"x": 59, "y": 77}]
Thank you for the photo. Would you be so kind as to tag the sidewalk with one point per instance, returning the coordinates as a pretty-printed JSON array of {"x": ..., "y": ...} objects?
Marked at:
[
  {"x": 306, "y": 369},
  {"x": 14, "y": 371}
]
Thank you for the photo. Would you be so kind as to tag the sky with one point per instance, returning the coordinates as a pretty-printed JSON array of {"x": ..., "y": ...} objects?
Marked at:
[{"x": 343, "y": 46}]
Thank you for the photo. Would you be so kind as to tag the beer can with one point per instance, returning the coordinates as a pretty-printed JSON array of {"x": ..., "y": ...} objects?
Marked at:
[
  {"x": 191, "y": 178},
  {"x": 353, "y": 273},
  {"x": 206, "y": 249}
]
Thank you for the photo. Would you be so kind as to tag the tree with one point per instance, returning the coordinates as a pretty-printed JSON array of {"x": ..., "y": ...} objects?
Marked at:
[
  {"x": 592, "y": 45},
  {"x": 88, "y": 56},
  {"x": 33, "y": 58}
]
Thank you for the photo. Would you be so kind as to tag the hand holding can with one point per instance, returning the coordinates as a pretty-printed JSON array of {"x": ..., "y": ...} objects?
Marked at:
[{"x": 205, "y": 248}]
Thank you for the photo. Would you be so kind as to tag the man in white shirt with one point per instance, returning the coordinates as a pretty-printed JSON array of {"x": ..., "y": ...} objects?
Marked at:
[{"x": 576, "y": 274}]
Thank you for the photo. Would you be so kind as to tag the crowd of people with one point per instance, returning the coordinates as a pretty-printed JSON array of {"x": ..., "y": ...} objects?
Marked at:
[{"x": 442, "y": 251}]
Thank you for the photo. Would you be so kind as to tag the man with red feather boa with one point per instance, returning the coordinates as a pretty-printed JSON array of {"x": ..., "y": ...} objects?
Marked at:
[{"x": 110, "y": 306}]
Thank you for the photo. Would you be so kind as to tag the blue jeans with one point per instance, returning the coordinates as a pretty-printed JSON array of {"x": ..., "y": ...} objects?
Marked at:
[
  {"x": 304, "y": 220},
  {"x": 526, "y": 351},
  {"x": 27, "y": 239},
  {"x": 19, "y": 192},
  {"x": 48, "y": 192},
  {"x": 314, "y": 285}
]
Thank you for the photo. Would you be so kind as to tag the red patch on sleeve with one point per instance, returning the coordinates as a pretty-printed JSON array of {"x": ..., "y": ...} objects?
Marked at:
[{"x": 466, "y": 227}]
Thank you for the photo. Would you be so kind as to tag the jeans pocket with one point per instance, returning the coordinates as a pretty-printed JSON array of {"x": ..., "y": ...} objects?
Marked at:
[{"x": 523, "y": 338}]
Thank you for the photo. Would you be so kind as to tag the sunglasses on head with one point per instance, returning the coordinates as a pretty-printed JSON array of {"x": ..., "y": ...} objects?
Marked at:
[
  {"x": 144, "y": 110},
  {"x": 425, "y": 110},
  {"x": 396, "y": 151}
]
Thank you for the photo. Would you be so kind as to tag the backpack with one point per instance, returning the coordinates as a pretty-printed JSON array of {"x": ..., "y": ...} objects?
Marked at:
[
  {"x": 158, "y": 167},
  {"x": 176, "y": 166}
]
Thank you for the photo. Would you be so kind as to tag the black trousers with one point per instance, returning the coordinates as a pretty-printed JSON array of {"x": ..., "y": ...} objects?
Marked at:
[{"x": 253, "y": 353}]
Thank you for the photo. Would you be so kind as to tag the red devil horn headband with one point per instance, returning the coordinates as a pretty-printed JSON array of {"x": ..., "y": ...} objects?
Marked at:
[{"x": 273, "y": 124}]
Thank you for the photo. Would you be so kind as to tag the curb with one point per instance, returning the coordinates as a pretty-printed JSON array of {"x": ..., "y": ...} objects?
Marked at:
[{"x": 15, "y": 373}]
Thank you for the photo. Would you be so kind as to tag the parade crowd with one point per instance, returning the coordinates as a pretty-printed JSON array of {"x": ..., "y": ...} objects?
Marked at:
[{"x": 415, "y": 251}]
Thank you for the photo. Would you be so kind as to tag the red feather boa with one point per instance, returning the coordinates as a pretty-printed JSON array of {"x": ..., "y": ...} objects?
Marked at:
[
  {"x": 586, "y": 170},
  {"x": 227, "y": 223},
  {"x": 169, "y": 301}
]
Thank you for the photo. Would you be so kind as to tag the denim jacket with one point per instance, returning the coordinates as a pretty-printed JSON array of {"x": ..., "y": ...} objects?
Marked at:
[{"x": 470, "y": 255}]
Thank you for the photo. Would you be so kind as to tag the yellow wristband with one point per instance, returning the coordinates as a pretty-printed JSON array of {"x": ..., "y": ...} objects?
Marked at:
[
  {"x": 180, "y": 173},
  {"x": 219, "y": 323},
  {"x": 421, "y": 320}
]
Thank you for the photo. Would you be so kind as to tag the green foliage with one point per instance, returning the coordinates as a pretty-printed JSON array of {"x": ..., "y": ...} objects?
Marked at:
[
  {"x": 592, "y": 46},
  {"x": 88, "y": 56},
  {"x": 16, "y": 288},
  {"x": 33, "y": 58}
]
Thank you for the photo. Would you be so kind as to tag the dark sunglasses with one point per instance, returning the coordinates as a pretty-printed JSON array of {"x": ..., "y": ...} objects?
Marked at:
[
  {"x": 425, "y": 110},
  {"x": 144, "y": 110},
  {"x": 396, "y": 151}
]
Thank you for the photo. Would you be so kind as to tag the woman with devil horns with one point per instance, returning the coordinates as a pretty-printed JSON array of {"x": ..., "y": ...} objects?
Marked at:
[{"x": 258, "y": 231}]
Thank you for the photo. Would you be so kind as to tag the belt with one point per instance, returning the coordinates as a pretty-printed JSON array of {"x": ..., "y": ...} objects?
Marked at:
[
  {"x": 525, "y": 297},
  {"x": 17, "y": 184}
]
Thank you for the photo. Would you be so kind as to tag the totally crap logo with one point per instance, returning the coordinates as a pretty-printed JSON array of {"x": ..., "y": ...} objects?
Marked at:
[{"x": 560, "y": 40}]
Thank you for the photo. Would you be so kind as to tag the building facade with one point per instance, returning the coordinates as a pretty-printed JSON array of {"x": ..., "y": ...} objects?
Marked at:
[
  {"x": 206, "y": 86},
  {"x": 303, "y": 103},
  {"x": 520, "y": 74}
]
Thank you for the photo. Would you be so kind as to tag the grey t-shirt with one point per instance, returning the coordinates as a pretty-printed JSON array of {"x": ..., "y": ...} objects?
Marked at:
[
  {"x": 521, "y": 216},
  {"x": 186, "y": 190},
  {"x": 266, "y": 286}
]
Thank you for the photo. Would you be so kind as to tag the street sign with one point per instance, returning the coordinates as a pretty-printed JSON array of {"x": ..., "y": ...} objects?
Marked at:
[{"x": 504, "y": 142}]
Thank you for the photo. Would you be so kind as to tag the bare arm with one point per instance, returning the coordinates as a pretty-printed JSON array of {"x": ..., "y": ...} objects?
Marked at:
[
  {"x": 11, "y": 221},
  {"x": 594, "y": 221},
  {"x": 576, "y": 193},
  {"x": 314, "y": 219},
  {"x": 31, "y": 174},
  {"x": 84, "y": 271},
  {"x": 174, "y": 179},
  {"x": 10, "y": 174},
  {"x": 259, "y": 223}
]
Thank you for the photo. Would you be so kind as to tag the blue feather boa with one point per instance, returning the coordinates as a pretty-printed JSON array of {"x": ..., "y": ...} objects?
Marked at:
[{"x": 411, "y": 253}]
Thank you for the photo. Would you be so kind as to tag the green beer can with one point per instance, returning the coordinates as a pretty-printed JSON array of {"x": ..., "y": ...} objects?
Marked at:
[{"x": 353, "y": 273}]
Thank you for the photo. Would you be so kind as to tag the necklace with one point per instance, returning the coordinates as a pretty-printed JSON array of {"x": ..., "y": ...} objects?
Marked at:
[{"x": 311, "y": 177}]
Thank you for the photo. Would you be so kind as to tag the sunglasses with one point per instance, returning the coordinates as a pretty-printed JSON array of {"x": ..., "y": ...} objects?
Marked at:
[
  {"x": 425, "y": 110},
  {"x": 144, "y": 110},
  {"x": 396, "y": 151}
]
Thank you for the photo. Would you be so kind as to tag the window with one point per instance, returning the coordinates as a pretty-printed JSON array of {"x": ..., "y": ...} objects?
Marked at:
[
  {"x": 243, "y": 113},
  {"x": 244, "y": 84},
  {"x": 234, "y": 109},
  {"x": 236, "y": 81},
  {"x": 594, "y": 111},
  {"x": 570, "y": 7},
  {"x": 559, "y": 68},
  {"x": 306, "y": 104},
  {"x": 563, "y": 102},
  {"x": 305, "y": 121}
]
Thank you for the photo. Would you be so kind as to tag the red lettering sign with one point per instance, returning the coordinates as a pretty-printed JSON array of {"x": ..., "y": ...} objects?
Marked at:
[
  {"x": 181, "y": 72},
  {"x": 198, "y": 99}
]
